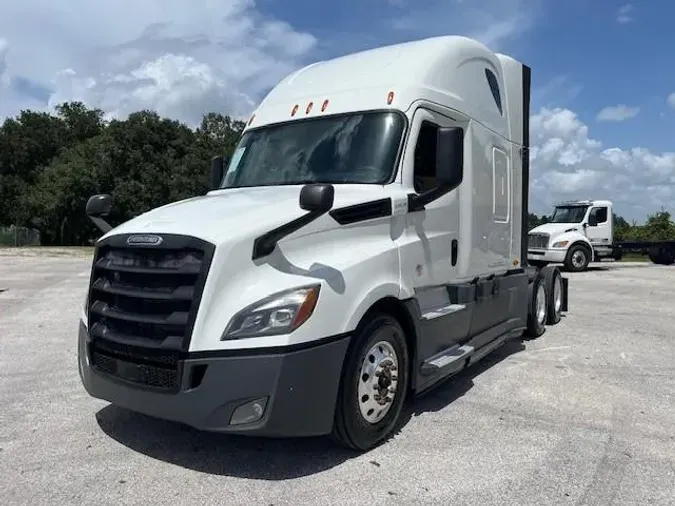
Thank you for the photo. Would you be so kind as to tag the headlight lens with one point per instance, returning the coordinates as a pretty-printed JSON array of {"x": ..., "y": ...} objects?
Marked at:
[
  {"x": 277, "y": 314},
  {"x": 560, "y": 244}
]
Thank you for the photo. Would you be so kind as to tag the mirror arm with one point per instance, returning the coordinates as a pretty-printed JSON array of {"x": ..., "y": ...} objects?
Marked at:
[
  {"x": 102, "y": 225},
  {"x": 418, "y": 202},
  {"x": 264, "y": 245}
]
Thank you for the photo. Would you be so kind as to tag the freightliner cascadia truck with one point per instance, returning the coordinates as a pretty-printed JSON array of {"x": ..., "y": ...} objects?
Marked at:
[
  {"x": 366, "y": 240},
  {"x": 582, "y": 231}
]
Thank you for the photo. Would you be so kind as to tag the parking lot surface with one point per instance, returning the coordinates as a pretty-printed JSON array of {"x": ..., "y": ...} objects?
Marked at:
[{"x": 584, "y": 415}]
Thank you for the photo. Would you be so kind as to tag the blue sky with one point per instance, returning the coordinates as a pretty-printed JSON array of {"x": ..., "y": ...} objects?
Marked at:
[{"x": 185, "y": 58}]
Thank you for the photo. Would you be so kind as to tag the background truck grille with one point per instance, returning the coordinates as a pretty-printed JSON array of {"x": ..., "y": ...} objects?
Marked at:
[
  {"x": 143, "y": 300},
  {"x": 538, "y": 240}
]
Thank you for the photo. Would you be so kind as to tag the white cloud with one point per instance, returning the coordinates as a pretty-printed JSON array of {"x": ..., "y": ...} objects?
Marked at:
[
  {"x": 619, "y": 112},
  {"x": 567, "y": 163},
  {"x": 495, "y": 23},
  {"x": 671, "y": 100},
  {"x": 624, "y": 14},
  {"x": 560, "y": 90},
  {"x": 179, "y": 58}
]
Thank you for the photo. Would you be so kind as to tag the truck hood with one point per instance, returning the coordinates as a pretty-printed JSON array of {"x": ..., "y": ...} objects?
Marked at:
[
  {"x": 236, "y": 213},
  {"x": 555, "y": 229}
]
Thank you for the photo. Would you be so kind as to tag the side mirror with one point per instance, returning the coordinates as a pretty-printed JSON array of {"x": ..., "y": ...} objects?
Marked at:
[
  {"x": 592, "y": 220},
  {"x": 99, "y": 205},
  {"x": 317, "y": 198},
  {"x": 450, "y": 157},
  {"x": 218, "y": 166}
]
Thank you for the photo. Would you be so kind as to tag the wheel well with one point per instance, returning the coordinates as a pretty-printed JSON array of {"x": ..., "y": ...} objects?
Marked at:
[
  {"x": 583, "y": 244},
  {"x": 397, "y": 310}
]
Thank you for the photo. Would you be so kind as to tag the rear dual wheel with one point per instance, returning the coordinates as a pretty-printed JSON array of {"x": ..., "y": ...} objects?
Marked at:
[{"x": 545, "y": 301}]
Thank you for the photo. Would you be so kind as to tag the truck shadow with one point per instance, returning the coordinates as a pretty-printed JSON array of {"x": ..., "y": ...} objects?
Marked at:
[{"x": 266, "y": 459}]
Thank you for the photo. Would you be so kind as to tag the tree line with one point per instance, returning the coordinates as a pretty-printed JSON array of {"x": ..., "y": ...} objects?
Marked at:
[{"x": 52, "y": 162}]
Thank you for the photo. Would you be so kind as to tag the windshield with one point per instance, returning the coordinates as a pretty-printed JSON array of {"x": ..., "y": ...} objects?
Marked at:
[
  {"x": 569, "y": 214},
  {"x": 355, "y": 148}
]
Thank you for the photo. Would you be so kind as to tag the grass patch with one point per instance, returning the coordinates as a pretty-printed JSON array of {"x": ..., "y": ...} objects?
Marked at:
[{"x": 635, "y": 258}]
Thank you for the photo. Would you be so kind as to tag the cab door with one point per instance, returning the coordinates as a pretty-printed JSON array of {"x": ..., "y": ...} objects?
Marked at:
[
  {"x": 429, "y": 245},
  {"x": 600, "y": 232}
]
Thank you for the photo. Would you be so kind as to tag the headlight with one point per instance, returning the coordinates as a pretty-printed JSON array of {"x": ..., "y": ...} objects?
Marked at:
[
  {"x": 277, "y": 314},
  {"x": 560, "y": 244}
]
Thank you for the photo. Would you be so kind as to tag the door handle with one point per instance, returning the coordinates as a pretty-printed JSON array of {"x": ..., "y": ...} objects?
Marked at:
[{"x": 453, "y": 252}]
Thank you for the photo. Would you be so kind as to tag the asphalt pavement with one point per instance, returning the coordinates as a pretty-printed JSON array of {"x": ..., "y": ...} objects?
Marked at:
[{"x": 584, "y": 415}]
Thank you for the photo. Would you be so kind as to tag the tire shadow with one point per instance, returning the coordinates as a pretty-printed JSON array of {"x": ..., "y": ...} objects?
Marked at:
[{"x": 266, "y": 458}]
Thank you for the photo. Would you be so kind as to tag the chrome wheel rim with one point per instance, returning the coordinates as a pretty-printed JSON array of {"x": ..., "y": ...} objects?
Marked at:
[
  {"x": 557, "y": 294},
  {"x": 578, "y": 258},
  {"x": 378, "y": 382},
  {"x": 541, "y": 304}
]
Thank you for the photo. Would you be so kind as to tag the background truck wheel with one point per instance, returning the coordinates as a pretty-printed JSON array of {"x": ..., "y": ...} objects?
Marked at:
[
  {"x": 537, "y": 307},
  {"x": 661, "y": 255},
  {"x": 577, "y": 259},
  {"x": 554, "y": 292},
  {"x": 374, "y": 384}
]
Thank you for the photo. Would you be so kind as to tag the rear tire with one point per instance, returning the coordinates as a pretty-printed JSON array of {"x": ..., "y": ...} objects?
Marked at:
[
  {"x": 537, "y": 308},
  {"x": 661, "y": 255},
  {"x": 373, "y": 386},
  {"x": 554, "y": 292},
  {"x": 577, "y": 259}
]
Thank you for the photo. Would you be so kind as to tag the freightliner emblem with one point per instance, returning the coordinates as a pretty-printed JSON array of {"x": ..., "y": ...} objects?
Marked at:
[{"x": 144, "y": 240}]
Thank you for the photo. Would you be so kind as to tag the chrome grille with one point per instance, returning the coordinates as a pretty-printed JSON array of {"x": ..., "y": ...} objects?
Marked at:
[{"x": 538, "y": 240}]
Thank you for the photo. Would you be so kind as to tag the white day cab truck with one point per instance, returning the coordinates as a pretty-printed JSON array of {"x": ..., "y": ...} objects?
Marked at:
[
  {"x": 366, "y": 240},
  {"x": 581, "y": 232}
]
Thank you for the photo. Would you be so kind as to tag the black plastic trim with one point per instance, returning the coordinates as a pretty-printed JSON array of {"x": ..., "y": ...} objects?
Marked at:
[
  {"x": 272, "y": 350},
  {"x": 362, "y": 212},
  {"x": 525, "y": 153}
]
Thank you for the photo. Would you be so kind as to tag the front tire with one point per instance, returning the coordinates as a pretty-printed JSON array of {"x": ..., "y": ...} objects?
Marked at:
[
  {"x": 373, "y": 386},
  {"x": 577, "y": 259}
]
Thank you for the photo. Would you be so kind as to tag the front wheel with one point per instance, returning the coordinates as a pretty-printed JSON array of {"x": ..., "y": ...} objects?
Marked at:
[
  {"x": 577, "y": 259},
  {"x": 373, "y": 386}
]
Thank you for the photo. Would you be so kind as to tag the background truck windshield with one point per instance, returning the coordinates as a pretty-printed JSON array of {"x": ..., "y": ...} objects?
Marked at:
[
  {"x": 569, "y": 214},
  {"x": 355, "y": 148}
]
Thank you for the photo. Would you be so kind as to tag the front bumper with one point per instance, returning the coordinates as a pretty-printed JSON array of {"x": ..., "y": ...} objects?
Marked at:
[
  {"x": 546, "y": 255},
  {"x": 300, "y": 388}
]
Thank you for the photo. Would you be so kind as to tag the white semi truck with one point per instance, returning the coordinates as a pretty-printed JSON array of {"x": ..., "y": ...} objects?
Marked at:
[
  {"x": 582, "y": 231},
  {"x": 366, "y": 240}
]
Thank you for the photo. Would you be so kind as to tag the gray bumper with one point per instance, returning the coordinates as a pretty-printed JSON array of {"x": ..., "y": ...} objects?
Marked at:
[{"x": 300, "y": 386}]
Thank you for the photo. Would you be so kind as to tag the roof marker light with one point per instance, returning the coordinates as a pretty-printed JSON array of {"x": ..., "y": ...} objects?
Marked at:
[
  {"x": 309, "y": 107},
  {"x": 295, "y": 109},
  {"x": 390, "y": 98},
  {"x": 324, "y": 106}
]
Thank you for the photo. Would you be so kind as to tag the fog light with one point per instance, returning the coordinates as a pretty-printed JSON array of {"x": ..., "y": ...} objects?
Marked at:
[{"x": 249, "y": 412}]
